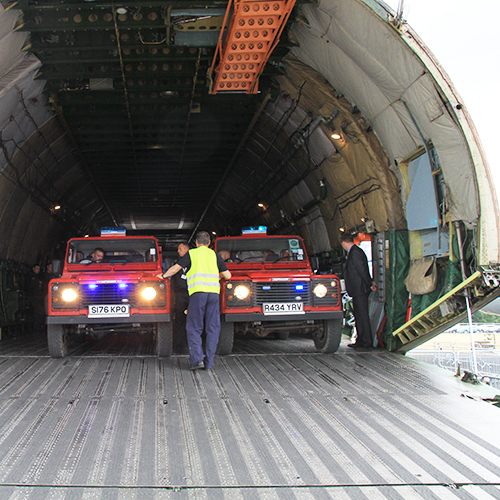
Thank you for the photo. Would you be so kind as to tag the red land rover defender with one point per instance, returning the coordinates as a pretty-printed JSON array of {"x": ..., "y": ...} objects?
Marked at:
[
  {"x": 121, "y": 293},
  {"x": 274, "y": 290}
]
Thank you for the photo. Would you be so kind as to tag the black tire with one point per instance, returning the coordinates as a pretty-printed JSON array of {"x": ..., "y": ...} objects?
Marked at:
[
  {"x": 226, "y": 339},
  {"x": 57, "y": 339},
  {"x": 164, "y": 339},
  {"x": 327, "y": 340}
]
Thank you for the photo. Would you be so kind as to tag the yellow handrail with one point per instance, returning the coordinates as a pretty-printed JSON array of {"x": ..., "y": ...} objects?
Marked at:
[{"x": 438, "y": 302}]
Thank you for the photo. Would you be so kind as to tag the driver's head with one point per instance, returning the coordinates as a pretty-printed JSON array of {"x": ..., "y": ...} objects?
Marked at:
[
  {"x": 98, "y": 255},
  {"x": 225, "y": 254}
]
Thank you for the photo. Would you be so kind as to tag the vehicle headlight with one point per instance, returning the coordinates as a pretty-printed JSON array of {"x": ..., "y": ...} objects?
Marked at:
[
  {"x": 320, "y": 290},
  {"x": 241, "y": 292},
  {"x": 68, "y": 295},
  {"x": 149, "y": 293}
]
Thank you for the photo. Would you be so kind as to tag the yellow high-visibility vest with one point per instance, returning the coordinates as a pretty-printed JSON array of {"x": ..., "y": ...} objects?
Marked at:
[{"x": 203, "y": 275}]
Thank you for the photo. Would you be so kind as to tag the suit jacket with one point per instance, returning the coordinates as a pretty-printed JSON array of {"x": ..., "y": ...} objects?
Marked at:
[{"x": 356, "y": 273}]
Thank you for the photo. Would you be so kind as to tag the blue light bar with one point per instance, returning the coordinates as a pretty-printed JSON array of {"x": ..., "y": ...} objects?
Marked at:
[
  {"x": 92, "y": 286},
  {"x": 299, "y": 287},
  {"x": 114, "y": 231},
  {"x": 122, "y": 285},
  {"x": 254, "y": 230}
]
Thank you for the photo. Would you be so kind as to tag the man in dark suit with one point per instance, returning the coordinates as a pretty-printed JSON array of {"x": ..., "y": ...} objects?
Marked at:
[
  {"x": 358, "y": 284},
  {"x": 180, "y": 295}
]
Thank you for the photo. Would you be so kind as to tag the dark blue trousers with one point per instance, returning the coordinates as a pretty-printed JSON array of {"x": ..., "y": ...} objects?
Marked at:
[{"x": 203, "y": 310}]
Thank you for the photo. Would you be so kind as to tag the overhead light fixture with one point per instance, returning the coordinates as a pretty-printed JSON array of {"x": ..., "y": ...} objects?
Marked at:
[
  {"x": 335, "y": 135},
  {"x": 370, "y": 227},
  {"x": 121, "y": 10},
  {"x": 57, "y": 207},
  {"x": 195, "y": 107},
  {"x": 261, "y": 205},
  {"x": 367, "y": 226},
  {"x": 169, "y": 93}
]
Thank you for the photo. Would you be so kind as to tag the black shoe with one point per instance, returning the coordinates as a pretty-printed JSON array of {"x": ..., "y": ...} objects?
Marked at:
[
  {"x": 198, "y": 366},
  {"x": 359, "y": 346}
]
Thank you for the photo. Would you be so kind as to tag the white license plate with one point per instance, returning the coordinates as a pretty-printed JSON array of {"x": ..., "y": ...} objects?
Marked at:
[
  {"x": 109, "y": 311},
  {"x": 283, "y": 308}
]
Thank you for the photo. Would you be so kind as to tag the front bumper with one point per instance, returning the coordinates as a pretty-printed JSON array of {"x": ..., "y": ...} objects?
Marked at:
[
  {"x": 307, "y": 316},
  {"x": 85, "y": 320}
]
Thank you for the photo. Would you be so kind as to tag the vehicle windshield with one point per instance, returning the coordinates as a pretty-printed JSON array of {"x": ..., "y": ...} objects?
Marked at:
[
  {"x": 112, "y": 250},
  {"x": 268, "y": 250}
]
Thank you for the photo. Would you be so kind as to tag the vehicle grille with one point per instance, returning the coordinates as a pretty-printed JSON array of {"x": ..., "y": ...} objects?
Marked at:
[
  {"x": 285, "y": 291},
  {"x": 108, "y": 293}
]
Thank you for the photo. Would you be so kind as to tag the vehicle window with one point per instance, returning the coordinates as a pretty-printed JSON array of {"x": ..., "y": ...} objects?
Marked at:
[
  {"x": 267, "y": 250},
  {"x": 123, "y": 251}
]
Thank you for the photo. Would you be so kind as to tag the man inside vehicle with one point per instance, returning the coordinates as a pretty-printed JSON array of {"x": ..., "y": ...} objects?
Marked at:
[{"x": 94, "y": 258}]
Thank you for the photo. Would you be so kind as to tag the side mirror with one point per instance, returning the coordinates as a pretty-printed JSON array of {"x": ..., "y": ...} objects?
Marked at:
[{"x": 314, "y": 264}]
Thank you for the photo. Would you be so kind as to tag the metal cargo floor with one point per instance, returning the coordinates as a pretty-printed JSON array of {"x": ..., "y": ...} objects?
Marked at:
[{"x": 275, "y": 420}]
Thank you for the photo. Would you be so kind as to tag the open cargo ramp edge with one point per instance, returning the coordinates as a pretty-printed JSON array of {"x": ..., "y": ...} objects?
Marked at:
[{"x": 476, "y": 291}]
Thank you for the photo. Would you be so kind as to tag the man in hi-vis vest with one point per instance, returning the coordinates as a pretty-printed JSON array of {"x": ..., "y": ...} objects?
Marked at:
[{"x": 203, "y": 269}]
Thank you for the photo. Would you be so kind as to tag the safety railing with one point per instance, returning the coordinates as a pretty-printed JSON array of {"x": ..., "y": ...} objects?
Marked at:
[{"x": 459, "y": 361}]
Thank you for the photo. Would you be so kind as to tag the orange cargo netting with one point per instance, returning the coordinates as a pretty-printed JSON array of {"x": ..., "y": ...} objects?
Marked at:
[{"x": 253, "y": 33}]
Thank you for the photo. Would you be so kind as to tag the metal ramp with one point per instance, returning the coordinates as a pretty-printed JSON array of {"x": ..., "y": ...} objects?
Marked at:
[
  {"x": 481, "y": 288},
  {"x": 273, "y": 421}
]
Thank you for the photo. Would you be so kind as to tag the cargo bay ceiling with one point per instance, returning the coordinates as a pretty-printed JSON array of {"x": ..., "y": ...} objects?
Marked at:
[
  {"x": 108, "y": 117},
  {"x": 129, "y": 83}
]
